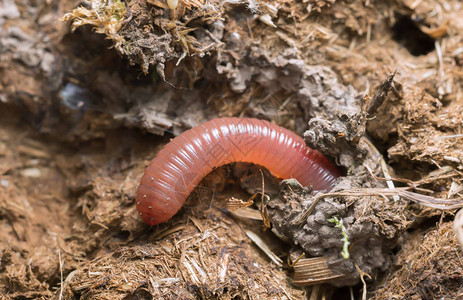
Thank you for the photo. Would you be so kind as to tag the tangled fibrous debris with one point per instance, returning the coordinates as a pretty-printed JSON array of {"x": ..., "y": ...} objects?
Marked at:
[
  {"x": 151, "y": 32},
  {"x": 429, "y": 132},
  {"x": 105, "y": 16},
  {"x": 429, "y": 266},
  {"x": 205, "y": 260}
]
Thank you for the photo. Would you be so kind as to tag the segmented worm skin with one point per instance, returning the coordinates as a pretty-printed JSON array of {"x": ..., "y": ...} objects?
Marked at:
[{"x": 181, "y": 164}]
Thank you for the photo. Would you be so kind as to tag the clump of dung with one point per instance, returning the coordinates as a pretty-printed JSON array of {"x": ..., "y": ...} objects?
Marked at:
[{"x": 372, "y": 224}]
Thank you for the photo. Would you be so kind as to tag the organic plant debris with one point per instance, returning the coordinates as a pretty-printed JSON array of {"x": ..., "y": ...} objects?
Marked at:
[
  {"x": 90, "y": 91},
  {"x": 423, "y": 274}
]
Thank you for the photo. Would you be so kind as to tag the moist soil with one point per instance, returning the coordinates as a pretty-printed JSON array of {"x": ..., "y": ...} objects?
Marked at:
[{"x": 90, "y": 91}]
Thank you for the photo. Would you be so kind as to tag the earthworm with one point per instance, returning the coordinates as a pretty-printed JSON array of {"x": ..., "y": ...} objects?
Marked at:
[{"x": 183, "y": 162}]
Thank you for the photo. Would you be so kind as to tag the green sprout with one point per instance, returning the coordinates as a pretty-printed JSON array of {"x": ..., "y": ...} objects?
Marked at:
[{"x": 345, "y": 238}]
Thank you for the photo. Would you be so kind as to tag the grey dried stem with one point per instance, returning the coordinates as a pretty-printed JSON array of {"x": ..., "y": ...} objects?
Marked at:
[{"x": 404, "y": 193}]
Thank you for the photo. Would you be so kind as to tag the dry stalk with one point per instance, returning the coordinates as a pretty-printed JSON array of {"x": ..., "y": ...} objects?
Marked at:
[
  {"x": 261, "y": 244},
  {"x": 404, "y": 193}
]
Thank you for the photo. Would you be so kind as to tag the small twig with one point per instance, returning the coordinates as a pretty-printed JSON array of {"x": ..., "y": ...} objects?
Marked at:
[
  {"x": 415, "y": 184},
  {"x": 447, "y": 137},
  {"x": 439, "y": 59},
  {"x": 437, "y": 203},
  {"x": 263, "y": 204},
  {"x": 301, "y": 221},
  {"x": 362, "y": 274},
  {"x": 213, "y": 195},
  {"x": 291, "y": 264},
  {"x": 389, "y": 182},
  {"x": 261, "y": 244},
  {"x": 61, "y": 275},
  {"x": 314, "y": 292}
]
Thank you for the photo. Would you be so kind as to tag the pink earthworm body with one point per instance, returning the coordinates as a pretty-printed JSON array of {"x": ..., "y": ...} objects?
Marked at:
[{"x": 181, "y": 164}]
